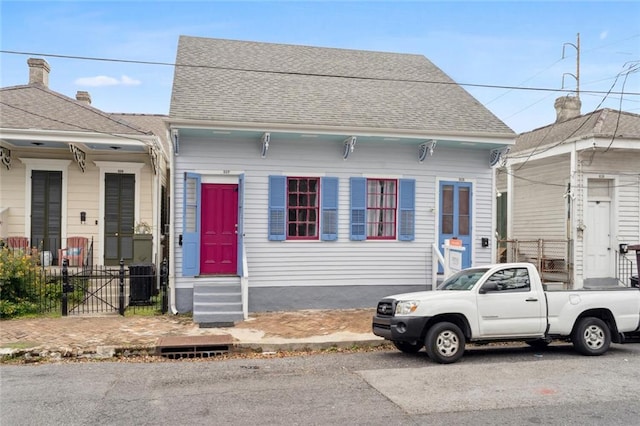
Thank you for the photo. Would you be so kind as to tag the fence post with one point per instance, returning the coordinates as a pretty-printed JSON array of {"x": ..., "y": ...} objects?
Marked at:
[
  {"x": 65, "y": 287},
  {"x": 164, "y": 272},
  {"x": 121, "y": 297}
]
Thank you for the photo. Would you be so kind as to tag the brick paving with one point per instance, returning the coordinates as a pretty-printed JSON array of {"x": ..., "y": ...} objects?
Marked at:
[
  {"x": 87, "y": 333},
  {"x": 77, "y": 335}
]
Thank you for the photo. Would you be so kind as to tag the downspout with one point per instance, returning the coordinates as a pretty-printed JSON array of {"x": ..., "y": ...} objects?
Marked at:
[
  {"x": 172, "y": 221},
  {"x": 494, "y": 209},
  {"x": 510, "y": 197},
  {"x": 572, "y": 223},
  {"x": 156, "y": 209}
]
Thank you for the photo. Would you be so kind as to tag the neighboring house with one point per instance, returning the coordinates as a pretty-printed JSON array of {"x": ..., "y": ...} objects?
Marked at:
[
  {"x": 71, "y": 170},
  {"x": 578, "y": 180},
  {"x": 310, "y": 177}
]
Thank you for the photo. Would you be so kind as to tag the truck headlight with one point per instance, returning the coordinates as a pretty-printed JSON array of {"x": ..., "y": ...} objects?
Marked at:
[{"x": 406, "y": 307}]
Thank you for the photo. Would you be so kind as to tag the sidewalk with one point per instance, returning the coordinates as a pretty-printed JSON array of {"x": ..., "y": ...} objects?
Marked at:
[{"x": 114, "y": 335}]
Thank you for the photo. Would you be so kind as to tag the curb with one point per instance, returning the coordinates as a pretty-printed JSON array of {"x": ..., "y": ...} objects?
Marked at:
[
  {"x": 308, "y": 346},
  {"x": 33, "y": 355}
]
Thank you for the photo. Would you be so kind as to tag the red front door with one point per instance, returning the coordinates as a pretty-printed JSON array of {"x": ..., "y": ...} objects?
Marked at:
[{"x": 219, "y": 239}]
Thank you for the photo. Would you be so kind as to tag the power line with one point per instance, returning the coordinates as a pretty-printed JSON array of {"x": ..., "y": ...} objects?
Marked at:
[{"x": 173, "y": 64}]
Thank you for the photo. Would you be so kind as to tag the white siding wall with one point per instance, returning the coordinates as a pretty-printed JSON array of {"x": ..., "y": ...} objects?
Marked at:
[
  {"x": 540, "y": 210},
  {"x": 82, "y": 193},
  {"x": 12, "y": 198},
  {"x": 342, "y": 262},
  {"x": 624, "y": 168}
]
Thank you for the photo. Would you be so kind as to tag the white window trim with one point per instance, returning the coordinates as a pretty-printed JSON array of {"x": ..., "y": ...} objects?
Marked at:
[{"x": 48, "y": 165}]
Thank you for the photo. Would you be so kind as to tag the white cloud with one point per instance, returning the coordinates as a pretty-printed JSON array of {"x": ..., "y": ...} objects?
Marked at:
[
  {"x": 128, "y": 81},
  {"x": 604, "y": 34},
  {"x": 103, "y": 80}
]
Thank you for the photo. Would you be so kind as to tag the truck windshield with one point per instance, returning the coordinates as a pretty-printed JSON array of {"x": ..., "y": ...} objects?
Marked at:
[{"x": 463, "y": 280}]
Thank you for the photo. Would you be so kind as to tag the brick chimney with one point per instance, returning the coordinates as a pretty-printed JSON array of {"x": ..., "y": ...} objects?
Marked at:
[
  {"x": 38, "y": 71},
  {"x": 84, "y": 97},
  {"x": 567, "y": 107}
]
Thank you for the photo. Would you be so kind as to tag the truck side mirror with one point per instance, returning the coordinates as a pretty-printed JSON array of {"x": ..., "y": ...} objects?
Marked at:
[{"x": 488, "y": 287}]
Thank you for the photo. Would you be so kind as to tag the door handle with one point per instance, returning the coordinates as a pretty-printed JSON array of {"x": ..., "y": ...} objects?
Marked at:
[{"x": 531, "y": 299}]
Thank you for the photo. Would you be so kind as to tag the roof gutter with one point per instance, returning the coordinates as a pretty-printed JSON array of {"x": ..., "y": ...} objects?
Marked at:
[
  {"x": 339, "y": 130},
  {"x": 76, "y": 137}
]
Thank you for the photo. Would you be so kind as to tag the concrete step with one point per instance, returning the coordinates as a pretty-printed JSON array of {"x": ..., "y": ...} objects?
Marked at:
[
  {"x": 217, "y": 297},
  {"x": 217, "y": 302},
  {"x": 217, "y": 319},
  {"x": 216, "y": 288}
]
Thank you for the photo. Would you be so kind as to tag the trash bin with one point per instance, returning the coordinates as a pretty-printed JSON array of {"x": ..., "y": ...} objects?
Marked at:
[
  {"x": 142, "y": 279},
  {"x": 634, "y": 282}
]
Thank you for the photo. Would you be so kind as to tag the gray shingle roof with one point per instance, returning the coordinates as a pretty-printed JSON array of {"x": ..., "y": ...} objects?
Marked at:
[
  {"x": 239, "y": 81},
  {"x": 599, "y": 124},
  {"x": 37, "y": 107},
  {"x": 151, "y": 122}
]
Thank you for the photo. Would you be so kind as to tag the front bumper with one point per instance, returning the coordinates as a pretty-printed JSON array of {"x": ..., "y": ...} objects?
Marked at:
[{"x": 399, "y": 329}]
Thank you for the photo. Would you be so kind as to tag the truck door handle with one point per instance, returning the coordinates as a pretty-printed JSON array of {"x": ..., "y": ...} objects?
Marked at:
[{"x": 532, "y": 299}]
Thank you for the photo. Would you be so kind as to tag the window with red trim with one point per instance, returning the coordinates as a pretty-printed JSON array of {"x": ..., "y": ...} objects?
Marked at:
[
  {"x": 382, "y": 196},
  {"x": 302, "y": 208}
]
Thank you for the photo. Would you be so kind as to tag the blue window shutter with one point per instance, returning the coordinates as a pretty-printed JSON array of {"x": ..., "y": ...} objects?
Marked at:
[
  {"x": 329, "y": 188},
  {"x": 277, "y": 207},
  {"x": 191, "y": 225},
  {"x": 357, "y": 224},
  {"x": 407, "y": 214}
]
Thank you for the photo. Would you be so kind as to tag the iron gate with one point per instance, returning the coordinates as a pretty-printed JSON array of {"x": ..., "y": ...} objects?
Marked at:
[{"x": 106, "y": 289}]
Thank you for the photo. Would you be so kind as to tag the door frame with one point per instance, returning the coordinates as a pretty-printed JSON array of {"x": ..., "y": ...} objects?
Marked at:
[
  {"x": 472, "y": 222},
  {"x": 236, "y": 186},
  {"x": 48, "y": 165},
  {"x": 234, "y": 177},
  {"x": 116, "y": 167},
  {"x": 613, "y": 218}
]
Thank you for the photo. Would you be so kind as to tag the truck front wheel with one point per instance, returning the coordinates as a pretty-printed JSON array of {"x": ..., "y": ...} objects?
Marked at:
[
  {"x": 444, "y": 343},
  {"x": 591, "y": 336}
]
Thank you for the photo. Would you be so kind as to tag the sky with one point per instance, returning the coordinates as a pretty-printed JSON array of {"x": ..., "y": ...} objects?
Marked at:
[{"x": 514, "y": 57}]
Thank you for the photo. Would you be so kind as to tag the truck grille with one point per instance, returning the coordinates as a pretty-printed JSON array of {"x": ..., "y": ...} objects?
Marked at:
[{"x": 385, "y": 309}]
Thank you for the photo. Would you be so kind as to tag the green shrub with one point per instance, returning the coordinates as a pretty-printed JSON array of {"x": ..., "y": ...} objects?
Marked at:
[{"x": 20, "y": 283}]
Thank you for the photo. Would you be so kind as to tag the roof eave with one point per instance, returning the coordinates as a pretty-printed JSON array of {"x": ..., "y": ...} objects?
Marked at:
[
  {"x": 74, "y": 137},
  {"x": 464, "y": 136}
]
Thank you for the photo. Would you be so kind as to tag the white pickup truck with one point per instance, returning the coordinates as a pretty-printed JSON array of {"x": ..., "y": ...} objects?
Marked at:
[{"x": 506, "y": 302}]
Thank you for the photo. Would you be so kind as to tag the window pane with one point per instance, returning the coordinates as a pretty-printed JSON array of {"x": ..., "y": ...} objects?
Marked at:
[
  {"x": 447, "y": 199},
  {"x": 447, "y": 224},
  {"x": 381, "y": 208},
  {"x": 463, "y": 225},
  {"x": 464, "y": 201},
  {"x": 302, "y": 207}
]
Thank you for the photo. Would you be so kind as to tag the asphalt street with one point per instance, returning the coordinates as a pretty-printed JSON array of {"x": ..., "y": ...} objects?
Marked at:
[{"x": 511, "y": 385}]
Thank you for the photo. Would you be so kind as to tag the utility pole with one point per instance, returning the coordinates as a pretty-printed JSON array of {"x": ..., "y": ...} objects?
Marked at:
[{"x": 577, "y": 74}]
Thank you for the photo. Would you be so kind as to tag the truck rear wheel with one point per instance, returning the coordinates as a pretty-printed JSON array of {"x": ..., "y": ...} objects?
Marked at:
[
  {"x": 591, "y": 336},
  {"x": 408, "y": 347},
  {"x": 444, "y": 343}
]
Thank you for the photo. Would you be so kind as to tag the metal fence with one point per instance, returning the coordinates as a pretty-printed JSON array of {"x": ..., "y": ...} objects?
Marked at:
[
  {"x": 625, "y": 269},
  {"x": 552, "y": 258},
  {"x": 29, "y": 287}
]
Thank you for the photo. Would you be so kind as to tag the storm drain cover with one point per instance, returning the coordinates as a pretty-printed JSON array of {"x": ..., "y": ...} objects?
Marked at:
[{"x": 175, "y": 347}]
